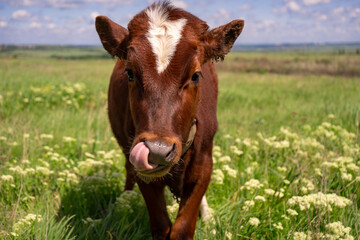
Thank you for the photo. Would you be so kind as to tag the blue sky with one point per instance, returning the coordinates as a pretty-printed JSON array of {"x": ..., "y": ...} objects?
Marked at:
[{"x": 266, "y": 21}]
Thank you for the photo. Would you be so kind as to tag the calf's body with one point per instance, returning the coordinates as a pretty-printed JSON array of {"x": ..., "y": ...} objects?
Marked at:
[{"x": 162, "y": 107}]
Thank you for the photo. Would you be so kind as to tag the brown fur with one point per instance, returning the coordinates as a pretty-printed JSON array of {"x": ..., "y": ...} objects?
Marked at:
[{"x": 163, "y": 106}]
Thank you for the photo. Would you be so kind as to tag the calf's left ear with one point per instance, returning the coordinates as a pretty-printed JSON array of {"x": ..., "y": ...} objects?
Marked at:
[
  {"x": 219, "y": 41},
  {"x": 113, "y": 37}
]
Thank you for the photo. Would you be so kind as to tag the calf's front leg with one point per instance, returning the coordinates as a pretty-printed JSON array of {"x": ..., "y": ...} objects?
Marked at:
[
  {"x": 194, "y": 190},
  {"x": 153, "y": 194}
]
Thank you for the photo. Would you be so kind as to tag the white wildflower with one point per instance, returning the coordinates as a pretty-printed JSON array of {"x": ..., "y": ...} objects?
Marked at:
[
  {"x": 228, "y": 235},
  {"x": 289, "y": 135},
  {"x": 218, "y": 176},
  {"x": 302, "y": 236},
  {"x": 292, "y": 212},
  {"x": 7, "y": 178},
  {"x": 231, "y": 172},
  {"x": 227, "y": 136},
  {"x": 225, "y": 159},
  {"x": 38, "y": 99},
  {"x": 254, "y": 221},
  {"x": 330, "y": 165},
  {"x": 331, "y": 116},
  {"x": 217, "y": 154},
  {"x": 303, "y": 190},
  {"x": 26, "y": 222},
  {"x": 319, "y": 200},
  {"x": 248, "y": 204},
  {"x": 282, "y": 144},
  {"x": 318, "y": 172},
  {"x": 29, "y": 171},
  {"x": 279, "y": 194},
  {"x": 18, "y": 170},
  {"x": 172, "y": 209},
  {"x": 60, "y": 180},
  {"x": 89, "y": 164},
  {"x": 252, "y": 184},
  {"x": 43, "y": 170},
  {"x": 269, "y": 191},
  {"x": 338, "y": 231},
  {"x": 89, "y": 155},
  {"x": 46, "y": 136},
  {"x": 68, "y": 139},
  {"x": 127, "y": 199},
  {"x": 353, "y": 167},
  {"x": 249, "y": 170},
  {"x": 346, "y": 176},
  {"x": 278, "y": 226},
  {"x": 216, "y": 148},
  {"x": 247, "y": 142},
  {"x": 235, "y": 150},
  {"x": 260, "y": 198}
]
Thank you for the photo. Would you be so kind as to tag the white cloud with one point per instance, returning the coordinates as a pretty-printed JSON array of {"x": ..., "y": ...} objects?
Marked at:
[
  {"x": 223, "y": 13},
  {"x": 314, "y": 2},
  {"x": 179, "y": 4},
  {"x": 3, "y": 24},
  {"x": 323, "y": 17},
  {"x": 265, "y": 24},
  {"x": 338, "y": 10},
  {"x": 245, "y": 7},
  {"x": 293, "y": 6},
  {"x": 35, "y": 25},
  {"x": 221, "y": 16},
  {"x": 290, "y": 6},
  {"x": 21, "y": 15},
  {"x": 47, "y": 19},
  {"x": 65, "y": 3},
  {"x": 94, "y": 15},
  {"x": 51, "y": 26},
  {"x": 355, "y": 13}
]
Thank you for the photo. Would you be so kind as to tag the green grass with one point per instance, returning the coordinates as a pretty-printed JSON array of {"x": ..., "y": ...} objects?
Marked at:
[{"x": 296, "y": 134}]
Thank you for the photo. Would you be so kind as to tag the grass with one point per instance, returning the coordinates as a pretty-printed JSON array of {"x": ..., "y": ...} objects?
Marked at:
[{"x": 285, "y": 141}]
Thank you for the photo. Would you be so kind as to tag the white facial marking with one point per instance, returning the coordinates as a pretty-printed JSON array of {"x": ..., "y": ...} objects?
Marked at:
[{"x": 163, "y": 35}]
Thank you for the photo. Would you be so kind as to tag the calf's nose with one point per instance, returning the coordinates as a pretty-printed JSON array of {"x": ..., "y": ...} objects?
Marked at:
[{"x": 161, "y": 153}]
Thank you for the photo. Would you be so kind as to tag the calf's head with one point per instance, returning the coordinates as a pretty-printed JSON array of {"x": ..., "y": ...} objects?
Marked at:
[{"x": 164, "y": 49}]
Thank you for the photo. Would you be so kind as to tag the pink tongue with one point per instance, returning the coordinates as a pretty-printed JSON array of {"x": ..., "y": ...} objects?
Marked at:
[{"x": 139, "y": 157}]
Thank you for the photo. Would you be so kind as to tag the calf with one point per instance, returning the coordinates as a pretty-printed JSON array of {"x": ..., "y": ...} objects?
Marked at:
[{"x": 162, "y": 107}]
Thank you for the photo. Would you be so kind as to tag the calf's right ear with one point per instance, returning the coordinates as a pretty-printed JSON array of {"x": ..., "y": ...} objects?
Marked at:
[
  {"x": 219, "y": 41},
  {"x": 113, "y": 37}
]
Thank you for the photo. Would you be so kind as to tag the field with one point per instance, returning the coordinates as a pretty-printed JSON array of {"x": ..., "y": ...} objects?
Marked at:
[{"x": 287, "y": 155}]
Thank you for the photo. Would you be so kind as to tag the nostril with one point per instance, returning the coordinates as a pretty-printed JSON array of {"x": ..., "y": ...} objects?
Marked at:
[{"x": 169, "y": 155}]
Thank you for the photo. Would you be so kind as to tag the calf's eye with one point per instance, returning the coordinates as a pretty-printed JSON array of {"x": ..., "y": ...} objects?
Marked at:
[
  {"x": 195, "y": 77},
  {"x": 130, "y": 75}
]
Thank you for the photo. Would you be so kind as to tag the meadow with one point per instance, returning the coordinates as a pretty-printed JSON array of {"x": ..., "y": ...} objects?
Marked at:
[{"x": 286, "y": 156}]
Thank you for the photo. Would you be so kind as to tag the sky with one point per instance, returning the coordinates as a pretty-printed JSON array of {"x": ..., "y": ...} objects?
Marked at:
[{"x": 71, "y": 22}]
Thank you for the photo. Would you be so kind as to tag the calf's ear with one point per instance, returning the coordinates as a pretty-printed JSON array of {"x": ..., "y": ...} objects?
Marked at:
[
  {"x": 113, "y": 37},
  {"x": 219, "y": 41}
]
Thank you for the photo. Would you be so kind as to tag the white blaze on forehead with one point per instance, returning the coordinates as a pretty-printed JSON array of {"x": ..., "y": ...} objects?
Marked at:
[{"x": 163, "y": 35}]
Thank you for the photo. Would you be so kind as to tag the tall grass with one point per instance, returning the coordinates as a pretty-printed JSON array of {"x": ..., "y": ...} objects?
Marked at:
[{"x": 286, "y": 156}]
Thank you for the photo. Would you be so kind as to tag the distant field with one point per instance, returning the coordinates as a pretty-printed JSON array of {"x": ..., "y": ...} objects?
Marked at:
[
  {"x": 57, "y": 52},
  {"x": 287, "y": 156}
]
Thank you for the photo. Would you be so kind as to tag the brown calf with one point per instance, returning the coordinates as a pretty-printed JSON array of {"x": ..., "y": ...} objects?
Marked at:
[{"x": 162, "y": 107}]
